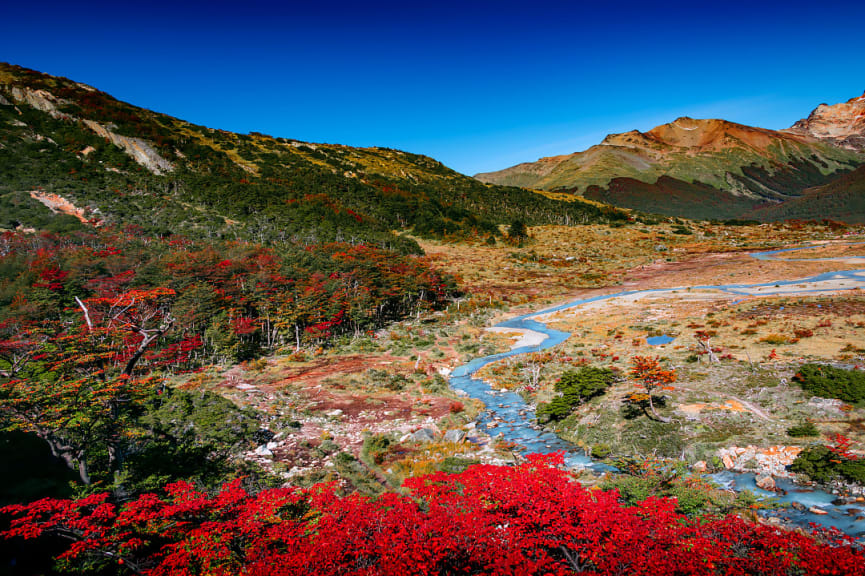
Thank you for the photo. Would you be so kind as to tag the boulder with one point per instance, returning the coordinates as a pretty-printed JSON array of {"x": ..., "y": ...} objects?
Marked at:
[
  {"x": 263, "y": 451},
  {"x": 728, "y": 462},
  {"x": 798, "y": 506},
  {"x": 766, "y": 483},
  {"x": 699, "y": 467},
  {"x": 424, "y": 435},
  {"x": 817, "y": 511},
  {"x": 454, "y": 436}
]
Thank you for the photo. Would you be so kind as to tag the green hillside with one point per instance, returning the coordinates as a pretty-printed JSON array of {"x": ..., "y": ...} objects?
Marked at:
[{"x": 122, "y": 164}]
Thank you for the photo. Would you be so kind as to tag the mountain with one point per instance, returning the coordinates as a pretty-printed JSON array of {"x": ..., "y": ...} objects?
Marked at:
[
  {"x": 704, "y": 168},
  {"x": 71, "y": 153},
  {"x": 842, "y": 124}
]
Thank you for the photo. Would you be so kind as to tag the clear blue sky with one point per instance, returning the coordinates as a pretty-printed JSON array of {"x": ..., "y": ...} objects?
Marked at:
[{"x": 477, "y": 85}]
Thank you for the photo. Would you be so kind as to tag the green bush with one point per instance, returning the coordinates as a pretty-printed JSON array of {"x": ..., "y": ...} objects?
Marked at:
[
  {"x": 601, "y": 451},
  {"x": 831, "y": 382},
  {"x": 803, "y": 430},
  {"x": 576, "y": 387},
  {"x": 820, "y": 464}
]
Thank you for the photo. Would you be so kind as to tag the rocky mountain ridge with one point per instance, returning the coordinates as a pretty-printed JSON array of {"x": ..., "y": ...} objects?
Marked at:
[
  {"x": 699, "y": 167},
  {"x": 842, "y": 124}
]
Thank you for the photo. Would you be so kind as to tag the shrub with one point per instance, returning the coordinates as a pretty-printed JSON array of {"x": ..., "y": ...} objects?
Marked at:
[
  {"x": 831, "y": 382},
  {"x": 776, "y": 339},
  {"x": 531, "y": 518},
  {"x": 576, "y": 387},
  {"x": 601, "y": 451},
  {"x": 802, "y": 430}
]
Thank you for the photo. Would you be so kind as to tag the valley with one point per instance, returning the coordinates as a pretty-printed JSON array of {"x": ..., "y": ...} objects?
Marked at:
[{"x": 287, "y": 349}]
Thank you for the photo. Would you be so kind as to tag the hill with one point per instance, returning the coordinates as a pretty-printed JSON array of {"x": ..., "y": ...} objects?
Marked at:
[
  {"x": 114, "y": 163},
  {"x": 843, "y": 198},
  {"x": 704, "y": 168}
]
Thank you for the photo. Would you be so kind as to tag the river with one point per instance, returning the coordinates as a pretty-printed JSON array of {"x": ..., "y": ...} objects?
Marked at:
[{"x": 515, "y": 420}]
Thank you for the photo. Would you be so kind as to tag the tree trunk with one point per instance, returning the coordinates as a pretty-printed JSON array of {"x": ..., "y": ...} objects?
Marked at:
[{"x": 657, "y": 417}]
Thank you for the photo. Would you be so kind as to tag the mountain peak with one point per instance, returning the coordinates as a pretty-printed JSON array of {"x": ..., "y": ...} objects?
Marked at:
[{"x": 842, "y": 124}]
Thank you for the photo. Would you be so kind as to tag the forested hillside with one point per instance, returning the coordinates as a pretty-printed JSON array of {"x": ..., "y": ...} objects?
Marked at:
[{"x": 122, "y": 164}]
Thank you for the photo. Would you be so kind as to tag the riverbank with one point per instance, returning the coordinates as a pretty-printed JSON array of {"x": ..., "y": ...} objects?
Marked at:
[{"x": 598, "y": 320}]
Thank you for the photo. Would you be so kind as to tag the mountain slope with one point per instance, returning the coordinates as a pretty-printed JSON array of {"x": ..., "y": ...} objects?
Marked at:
[
  {"x": 120, "y": 164},
  {"x": 711, "y": 164},
  {"x": 842, "y": 124},
  {"x": 842, "y": 199}
]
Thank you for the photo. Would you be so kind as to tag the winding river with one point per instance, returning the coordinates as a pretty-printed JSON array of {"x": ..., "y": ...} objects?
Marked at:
[{"x": 514, "y": 418}]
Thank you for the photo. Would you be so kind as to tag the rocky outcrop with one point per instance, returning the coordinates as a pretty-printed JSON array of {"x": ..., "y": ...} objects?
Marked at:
[
  {"x": 137, "y": 148},
  {"x": 41, "y": 100},
  {"x": 841, "y": 124},
  {"x": 57, "y": 203},
  {"x": 772, "y": 461},
  {"x": 140, "y": 150}
]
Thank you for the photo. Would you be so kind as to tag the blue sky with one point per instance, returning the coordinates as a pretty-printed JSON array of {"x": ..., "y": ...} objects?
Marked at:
[{"x": 476, "y": 85}]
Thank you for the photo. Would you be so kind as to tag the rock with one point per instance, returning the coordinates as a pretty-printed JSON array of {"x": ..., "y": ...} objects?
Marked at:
[
  {"x": 405, "y": 438},
  {"x": 471, "y": 426},
  {"x": 454, "y": 436},
  {"x": 817, "y": 511},
  {"x": 660, "y": 248},
  {"x": 335, "y": 413},
  {"x": 272, "y": 445},
  {"x": 766, "y": 483},
  {"x": 798, "y": 506},
  {"x": 263, "y": 451},
  {"x": 699, "y": 467},
  {"x": 728, "y": 462},
  {"x": 424, "y": 435},
  {"x": 138, "y": 149}
]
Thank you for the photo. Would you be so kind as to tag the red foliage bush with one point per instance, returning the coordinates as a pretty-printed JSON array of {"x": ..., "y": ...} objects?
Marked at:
[{"x": 528, "y": 519}]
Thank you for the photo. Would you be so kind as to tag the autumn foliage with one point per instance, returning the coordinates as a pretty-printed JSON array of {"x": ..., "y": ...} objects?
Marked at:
[
  {"x": 528, "y": 519},
  {"x": 650, "y": 375},
  {"x": 91, "y": 324}
]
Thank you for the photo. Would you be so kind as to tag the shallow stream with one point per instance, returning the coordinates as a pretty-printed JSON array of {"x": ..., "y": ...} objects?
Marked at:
[{"x": 512, "y": 417}]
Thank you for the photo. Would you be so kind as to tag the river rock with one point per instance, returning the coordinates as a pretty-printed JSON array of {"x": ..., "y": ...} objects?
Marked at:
[
  {"x": 455, "y": 436},
  {"x": 424, "y": 436},
  {"x": 728, "y": 462},
  {"x": 817, "y": 511},
  {"x": 798, "y": 506},
  {"x": 766, "y": 483}
]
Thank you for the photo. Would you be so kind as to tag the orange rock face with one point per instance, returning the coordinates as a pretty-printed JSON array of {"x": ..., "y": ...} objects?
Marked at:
[{"x": 843, "y": 124}]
